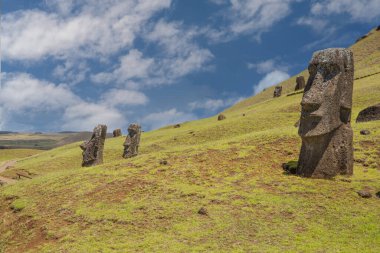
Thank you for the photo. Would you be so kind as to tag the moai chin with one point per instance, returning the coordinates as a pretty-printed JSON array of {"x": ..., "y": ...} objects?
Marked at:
[
  {"x": 132, "y": 142},
  {"x": 325, "y": 126},
  {"x": 277, "y": 91},
  {"x": 93, "y": 149},
  {"x": 300, "y": 83}
]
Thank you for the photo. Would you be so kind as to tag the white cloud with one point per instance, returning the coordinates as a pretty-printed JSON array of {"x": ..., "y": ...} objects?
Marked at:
[
  {"x": 214, "y": 104},
  {"x": 84, "y": 116},
  {"x": 89, "y": 28},
  {"x": 116, "y": 97},
  {"x": 250, "y": 17},
  {"x": 160, "y": 119},
  {"x": 22, "y": 95},
  {"x": 179, "y": 56},
  {"x": 131, "y": 66},
  {"x": 20, "y": 92},
  {"x": 359, "y": 10},
  {"x": 267, "y": 66},
  {"x": 270, "y": 79}
]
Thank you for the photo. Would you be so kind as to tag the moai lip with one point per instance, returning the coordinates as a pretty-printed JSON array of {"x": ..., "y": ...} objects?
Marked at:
[
  {"x": 132, "y": 142},
  {"x": 93, "y": 149},
  {"x": 325, "y": 126}
]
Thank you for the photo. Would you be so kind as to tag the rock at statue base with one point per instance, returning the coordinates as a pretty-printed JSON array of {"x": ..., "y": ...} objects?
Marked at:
[
  {"x": 221, "y": 117},
  {"x": 277, "y": 91},
  {"x": 300, "y": 83},
  {"x": 177, "y": 125},
  {"x": 93, "y": 149},
  {"x": 116, "y": 132},
  {"x": 365, "y": 132},
  {"x": 132, "y": 142},
  {"x": 325, "y": 126},
  {"x": 369, "y": 114}
]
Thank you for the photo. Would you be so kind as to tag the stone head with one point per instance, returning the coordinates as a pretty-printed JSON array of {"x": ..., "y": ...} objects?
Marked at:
[
  {"x": 327, "y": 99},
  {"x": 133, "y": 129}
]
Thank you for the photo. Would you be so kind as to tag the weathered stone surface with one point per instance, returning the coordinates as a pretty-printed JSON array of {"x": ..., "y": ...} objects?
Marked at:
[
  {"x": 93, "y": 149},
  {"x": 221, "y": 117},
  {"x": 369, "y": 114},
  {"x": 365, "y": 132},
  {"x": 277, "y": 91},
  {"x": 325, "y": 126},
  {"x": 300, "y": 83},
  {"x": 132, "y": 142},
  {"x": 202, "y": 211},
  {"x": 116, "y": 132},
  {"x": 364, "y": 194}
]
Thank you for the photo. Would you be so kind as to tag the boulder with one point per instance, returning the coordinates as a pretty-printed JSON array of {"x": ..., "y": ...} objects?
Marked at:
[
  {"x": 221, "y": 117},
  {"x": 369, "y": 114},
  {"x": 365, "y": 132}
]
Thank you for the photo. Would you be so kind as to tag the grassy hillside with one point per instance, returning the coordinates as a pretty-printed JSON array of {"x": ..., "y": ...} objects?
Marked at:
[
  {"x": 40, "y": 141},
  {"x": 231, "y": 168}
]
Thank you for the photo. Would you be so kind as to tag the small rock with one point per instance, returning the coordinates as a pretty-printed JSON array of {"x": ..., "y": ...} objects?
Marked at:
[
  {"x": 177, "y": 125},
  {"x": 290, "y": 167},
  {"x": 243, "y": 114},
  {"x": 364, "y": 132},
  {"x": 359, "y": 160},
  {"x": 164, "y": 162},
  {"x": 378, "y": 194},
  {"x": 346, "y": 180},
  {"x": 202, "y": 211},
  {"x": 364, "y": 194},
  {"x": 221, "y": 117}
]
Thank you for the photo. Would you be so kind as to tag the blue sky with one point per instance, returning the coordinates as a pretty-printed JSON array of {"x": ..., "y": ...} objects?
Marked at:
[{"x": 69, "y": 65}]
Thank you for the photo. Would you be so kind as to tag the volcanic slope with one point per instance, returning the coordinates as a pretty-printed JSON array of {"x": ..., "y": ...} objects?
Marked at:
[{"x": 230, "y": 168}]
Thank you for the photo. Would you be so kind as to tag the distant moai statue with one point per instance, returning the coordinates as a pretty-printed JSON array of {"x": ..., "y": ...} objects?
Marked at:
[
  {"x": 277, "y": 91},
  {"x": 132, "y": 142},
  {"x": 221, "y": 117},
  {"x": 116, "y": 132},
  {"x": 300, "y": 83},
  {"x": 325, "y": 126},
  {"x": 93, "y": 149}
]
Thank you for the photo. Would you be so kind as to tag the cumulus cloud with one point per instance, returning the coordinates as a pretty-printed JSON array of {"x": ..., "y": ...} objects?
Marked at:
[
  {"x": 160, "y": 119},
  {"x": 213, "y": 105},
  {"x": 250, "y": 17},
  {"x": 358, "y": 10},
  {"x": 180, "y": 56},
  {"x": 116, "y": 97},
  {"x": 270, "y": 79},
  {"x": 89, "y": 28},
  {"x": 22, "y": 95}
]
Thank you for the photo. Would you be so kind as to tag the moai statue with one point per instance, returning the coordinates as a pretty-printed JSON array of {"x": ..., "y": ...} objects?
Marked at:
[
  {"x": 325, "y": 126},
  {"x": 132, "y": 142},
  {"x": 277, "y": 91},
  {"x": 116, "y": 132},
  {"x": 300, "y": 83},
  {"x": 93, "y": 149}
]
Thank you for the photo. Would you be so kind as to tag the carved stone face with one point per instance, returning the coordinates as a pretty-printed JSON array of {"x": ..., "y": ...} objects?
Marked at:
[
  {"x": 133, "y": 129},
  {"x": 326, "y": 101}
]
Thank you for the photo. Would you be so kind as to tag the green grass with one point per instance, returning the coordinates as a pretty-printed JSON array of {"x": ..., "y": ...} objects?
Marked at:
[
  {"x": 231, "y": 167},
  {"x": 11, "y": 154}
]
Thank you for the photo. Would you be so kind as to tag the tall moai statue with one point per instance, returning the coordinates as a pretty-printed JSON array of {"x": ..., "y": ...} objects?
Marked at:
[
  {"x": 277, "y": 91},
  {"x": 93, "y": 149},
  {"x": 325, "y": 126},
  {"x": 132, "y": 142},
  {"x": 116, "y": 132},
  {"x": 300, "y": 83}
]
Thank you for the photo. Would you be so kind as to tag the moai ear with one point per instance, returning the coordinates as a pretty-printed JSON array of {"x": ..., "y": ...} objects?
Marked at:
[{"x": 345, "y": 114}]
